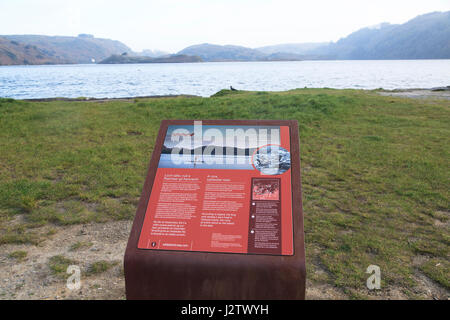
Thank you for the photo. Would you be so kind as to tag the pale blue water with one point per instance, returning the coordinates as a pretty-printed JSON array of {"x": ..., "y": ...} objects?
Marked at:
[{"x": 204, "y": 79}]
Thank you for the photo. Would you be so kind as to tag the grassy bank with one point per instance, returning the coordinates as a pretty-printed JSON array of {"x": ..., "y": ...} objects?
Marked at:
[{"x": 375, "y": 173}]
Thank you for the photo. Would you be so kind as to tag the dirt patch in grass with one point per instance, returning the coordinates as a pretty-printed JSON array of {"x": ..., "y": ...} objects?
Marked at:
[{"x": 43, "y": 274}]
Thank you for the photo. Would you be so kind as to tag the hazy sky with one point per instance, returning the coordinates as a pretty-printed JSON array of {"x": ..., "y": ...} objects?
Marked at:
[{"x": 171, "y": 25}]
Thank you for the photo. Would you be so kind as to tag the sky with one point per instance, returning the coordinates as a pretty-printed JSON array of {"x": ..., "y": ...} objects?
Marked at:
[{"x": 172, "y": 25}]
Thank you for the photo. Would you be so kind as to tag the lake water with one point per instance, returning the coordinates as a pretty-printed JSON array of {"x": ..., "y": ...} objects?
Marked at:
[{"x": 205, "y": 79}]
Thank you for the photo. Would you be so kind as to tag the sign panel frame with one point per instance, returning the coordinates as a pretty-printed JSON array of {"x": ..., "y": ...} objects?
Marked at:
[{"x": 173, "y": 274}]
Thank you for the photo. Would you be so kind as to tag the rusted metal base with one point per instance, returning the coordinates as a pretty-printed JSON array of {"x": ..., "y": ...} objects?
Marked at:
[{"x": 194, "y": 275}]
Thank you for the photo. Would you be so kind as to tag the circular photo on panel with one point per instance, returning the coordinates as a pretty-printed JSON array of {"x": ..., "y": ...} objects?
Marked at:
[{"x": 272, "y": 160}]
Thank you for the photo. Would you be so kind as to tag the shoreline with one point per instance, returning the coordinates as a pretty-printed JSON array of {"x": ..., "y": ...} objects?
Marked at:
[
  {"x": 87, "y": 99},
  {"x": 414, "y": 93},
  {"x": 215, "y": 61}
]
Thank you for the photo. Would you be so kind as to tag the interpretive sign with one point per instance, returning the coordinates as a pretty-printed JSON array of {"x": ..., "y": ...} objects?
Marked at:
[{"x": 220, "y": 196}]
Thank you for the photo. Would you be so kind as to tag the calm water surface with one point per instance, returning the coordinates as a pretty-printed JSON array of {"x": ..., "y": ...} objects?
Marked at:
[{"x": 204, "y": 79}]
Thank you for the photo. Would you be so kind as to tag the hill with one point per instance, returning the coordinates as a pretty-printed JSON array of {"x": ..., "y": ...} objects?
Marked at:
[
  {"x": 152, "y": 53},
  {"x": 424, "y": 37},
  {"x": 295, "y": 48},
  {"x": 61, "y": 49},
  {"x": 15, "y": 53},
  {"x": 212, "y": 52}
]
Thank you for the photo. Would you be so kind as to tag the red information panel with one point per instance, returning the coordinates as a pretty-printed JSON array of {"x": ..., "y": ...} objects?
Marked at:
[{"x": 222, "y": 188}]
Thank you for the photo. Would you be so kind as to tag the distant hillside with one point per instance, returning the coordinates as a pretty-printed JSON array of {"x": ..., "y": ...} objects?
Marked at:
[
  {"x": 424, "y": 37},
  {"x": 151, "y": 53},
  {"x": 212, "y": 52},
  {"x": 125, "y": 58},
  {"x": 15, "y": 53},
  {"x": 81, "y": 49},
  {"x": 295, "y": 48}
]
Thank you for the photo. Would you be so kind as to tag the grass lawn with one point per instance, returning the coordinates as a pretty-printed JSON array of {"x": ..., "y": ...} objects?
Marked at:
[{"x": 375, "y": 173}]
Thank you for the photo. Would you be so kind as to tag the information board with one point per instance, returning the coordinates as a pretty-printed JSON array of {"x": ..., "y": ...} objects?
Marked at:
[
  {"x": 220, "y": 215},
  {"x": 221, "y": 188}
]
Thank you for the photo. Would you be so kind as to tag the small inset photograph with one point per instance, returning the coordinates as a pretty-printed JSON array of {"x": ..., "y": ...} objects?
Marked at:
[
  {"x": 218, "y": 146},
  {"x": 266, "y": 189},
  {"x": 272, "y": 160}
]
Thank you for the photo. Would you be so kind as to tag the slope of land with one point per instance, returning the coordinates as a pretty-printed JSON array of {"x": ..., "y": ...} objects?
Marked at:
[
  {"x": 15, "y": 53},
  {"x": 424, "y": 37},
  {"x": 212, "y": 52},
  {"x": 295, "y": 48},
  {"x": 81, "y": 49},
  {"x": 374, "y": 176},
  {"x": 152, "y": 53}
]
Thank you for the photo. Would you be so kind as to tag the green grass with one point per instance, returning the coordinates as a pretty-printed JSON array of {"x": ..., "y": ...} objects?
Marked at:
[
  {"x": 375, "y": 171},
  {"x": 100, "y": 267},
  {"x": 438, "y": 270},
  {"x": 59, "y": 264},
  {"x": 18, "y": 255},
  {"x": 80, "y": 245}
]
